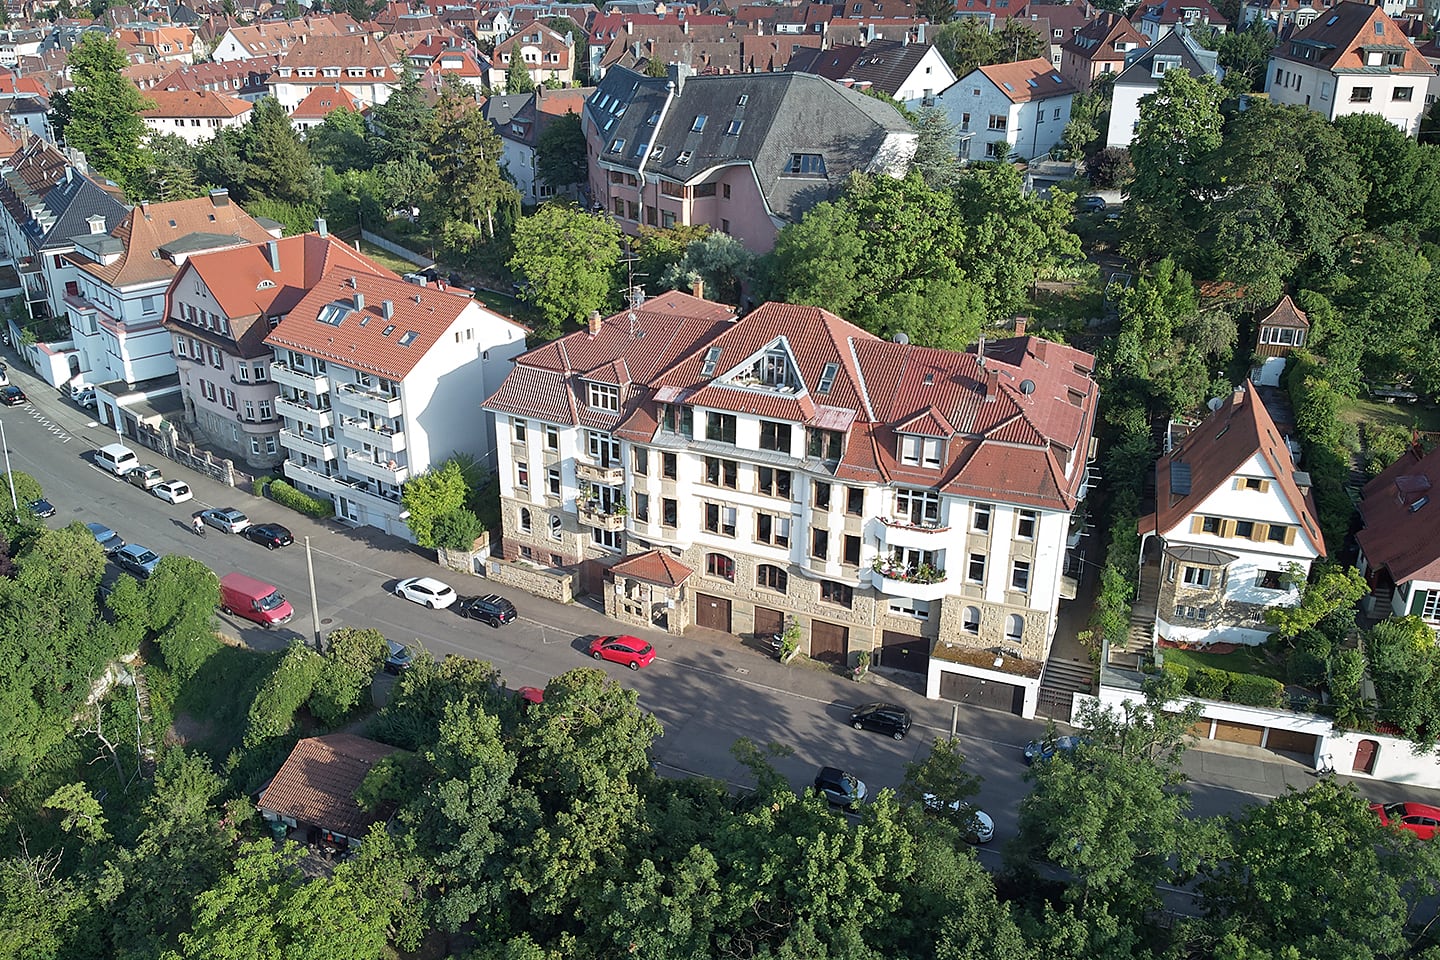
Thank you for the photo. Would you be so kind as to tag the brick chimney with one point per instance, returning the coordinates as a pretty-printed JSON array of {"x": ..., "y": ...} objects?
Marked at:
[
  {"x": 593, "y": 322},
  {"x": 697, "y": 289},
  {"x": 992, "y": 384},
  {"x": 1019, "y": 326}
]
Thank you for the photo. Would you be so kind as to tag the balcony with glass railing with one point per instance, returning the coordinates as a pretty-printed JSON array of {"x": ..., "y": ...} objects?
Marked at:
[
  {"x": 385, "y": 471},
  {"x": 380, "y": 436},
  {"x": 381, "y": 403}
]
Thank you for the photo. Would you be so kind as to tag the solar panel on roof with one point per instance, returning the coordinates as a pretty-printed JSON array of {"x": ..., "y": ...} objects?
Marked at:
[{"x": 1180, "y": 478}]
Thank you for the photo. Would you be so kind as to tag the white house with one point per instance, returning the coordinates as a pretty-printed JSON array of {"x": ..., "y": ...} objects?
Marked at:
[
  {"x": 1233, "y": 520},
  {"x": 363, "y": 67},
  {"x": 909, "y": 504},
  {"x": 1352, "y": 59},
  {"x": 194, "y": 116},
  {"x": 380, "y": 380},
  {"x": 912, "y": 73},
  {"x": 1009, "y": 109},
  {"x": 1157, "y": 20},
  {"x": 1141, "y": 77}
]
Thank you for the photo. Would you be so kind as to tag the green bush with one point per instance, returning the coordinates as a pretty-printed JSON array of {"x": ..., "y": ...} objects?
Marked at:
[
  {"x": 1209, "y": 683},
  {"x": 354, "y": 657},
  {"x": 259, "y": 485},
  {"x": 457, "y": 529},
  {"x": 1179, "y": 671},
  {"x": 272, "y": 714},
  {"x": 1253, "y": 690},
  {"x": 287, "y": 496}
]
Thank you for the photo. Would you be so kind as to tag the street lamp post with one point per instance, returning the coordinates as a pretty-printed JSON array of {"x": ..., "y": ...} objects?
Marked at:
[{"x": 9, "y": 474}]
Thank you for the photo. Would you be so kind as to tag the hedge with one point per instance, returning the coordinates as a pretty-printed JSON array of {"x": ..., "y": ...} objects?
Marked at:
[
  {"x": 1247, "y": 689},
  {"x": 287, "y": 496}
]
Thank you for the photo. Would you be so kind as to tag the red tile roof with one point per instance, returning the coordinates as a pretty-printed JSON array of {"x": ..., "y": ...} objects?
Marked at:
[
  {"x": 1286, "y": 314},
  {"x": 1401, "y": 515},
  {"x": 1215, "y": 451},
  {"x": 1341, "y": 36},
  {"x": 323, "y": 101},
  {"x": 195, "y": 103},
  {"x": 1027, "y": 80},
  {"x": 656, "y": 566},
  {"x": 363, "y": 338},
  {"x": 316, "y": 784}
]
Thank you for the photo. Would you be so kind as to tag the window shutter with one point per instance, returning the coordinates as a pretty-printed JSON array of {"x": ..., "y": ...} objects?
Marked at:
[
  {"x": 1289, "y": 536},
  {"x": 1239, "y": 483},
  {"x": 1227, "y": 528},
  {"x": 1260, "y": 532},
  {"x": 1264, "y": 486},
  {"x": 1196, "y": 523}
]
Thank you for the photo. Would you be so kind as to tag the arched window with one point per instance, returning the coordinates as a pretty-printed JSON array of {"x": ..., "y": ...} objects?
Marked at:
[
  {"x": 524, "y": 520},
  {"x": 773, "y": 577},
  {"x": 970, "y": 620},
  {"x": 1014, "y": 628},
  {"x": 719, "y": 565}
]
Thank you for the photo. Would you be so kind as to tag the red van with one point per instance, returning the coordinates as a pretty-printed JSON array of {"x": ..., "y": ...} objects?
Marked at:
[{"x": 254, "y": 600}]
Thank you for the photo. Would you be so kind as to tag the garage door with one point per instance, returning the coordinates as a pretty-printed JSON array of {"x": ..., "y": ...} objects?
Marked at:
[
  {"x": 768, "y": 623},
  {"x": 1233, "y": 732},
  {"x": 904, "y": 651},
  {"x": 982, "y": 693},
  {"x": 828, "y": 641},
  {"x": 712, "y": 612},
  {"x": 1291, "y": 741}
]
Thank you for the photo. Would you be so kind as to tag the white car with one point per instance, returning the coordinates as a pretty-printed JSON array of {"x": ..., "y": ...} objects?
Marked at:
[
  {"x": 427, "y": 591},
  {"x": 979, "y": 829},
  {"x": 173, "y": 491}
]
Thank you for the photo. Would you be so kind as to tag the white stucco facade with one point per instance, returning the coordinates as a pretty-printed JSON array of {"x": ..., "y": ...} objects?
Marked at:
[{"x": 987, "y": 117}]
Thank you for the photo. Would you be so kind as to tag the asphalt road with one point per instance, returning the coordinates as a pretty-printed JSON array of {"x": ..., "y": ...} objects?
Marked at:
[{"x": 707, "y": 691}]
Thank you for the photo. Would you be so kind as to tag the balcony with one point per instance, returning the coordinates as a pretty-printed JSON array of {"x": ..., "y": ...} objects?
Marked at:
[
  {"x": 382, "y": 438},
  {"x": 370, "y": 400},
  {"x": 918, "y": 583},
  {"x": 321, "y": 450},
  {"x": 343, "y": 487},
  {"x": 899, "y": 534},
  {"x": 594, "y": 515},
  {"x": 317, "y": 417},
  {"x": 611, "y": 476},
  {"x": 388, "y": 472},
  {"x": 288, "y": 376}
]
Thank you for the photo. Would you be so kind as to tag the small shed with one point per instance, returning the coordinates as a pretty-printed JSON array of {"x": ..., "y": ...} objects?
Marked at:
[
  {"x": 1283, "y": 329},
  {"x": 314, "y": 789},
  {"x": 649, "y": 590}
]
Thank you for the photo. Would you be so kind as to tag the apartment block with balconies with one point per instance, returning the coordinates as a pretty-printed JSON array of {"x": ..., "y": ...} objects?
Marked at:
[
  {"x": 379, "y": 380},
  {"x": 924, "y": 522}
]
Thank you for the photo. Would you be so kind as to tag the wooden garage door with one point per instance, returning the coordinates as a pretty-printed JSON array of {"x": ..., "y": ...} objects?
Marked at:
[
  {"x": 712, "y": 612},
  {"x": 1291, "y": 741},
  {"x": 828, "y": 641},
  {"x": 1232, "y": 732},
  {"x": 768, "y": 623},
  {"x": 904, "y": 651},
  {"x": 982, "y": 693}
]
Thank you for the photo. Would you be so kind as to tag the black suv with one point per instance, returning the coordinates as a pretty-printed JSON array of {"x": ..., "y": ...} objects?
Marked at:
[
  {"x": 492, "y": 608},
  {"x": 888, "y": 718},
  {"x": 839, "y": 787}
]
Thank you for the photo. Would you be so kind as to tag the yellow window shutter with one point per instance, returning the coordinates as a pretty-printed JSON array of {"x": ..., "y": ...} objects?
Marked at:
[
  {"x": 1264, "y": 486},
  {"x": 1196, "y": 523},
  {"x": 1227, "y": 528},
  {"x": 1289, "y": 535},
  {"x": 1260, "y": 531}
]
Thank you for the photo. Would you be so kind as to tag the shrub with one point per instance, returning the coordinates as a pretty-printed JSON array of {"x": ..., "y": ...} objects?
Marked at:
[
  {"x": 259, "y": 485},
  {"x": 354, "y": 656},
  {"x": 457, "y": 529},
  {"x": 1209, "y": 683},
  {"x": 1255, "y": 691},
  {"x": 287, "y": 496},
  {"x": 272, "y": 713}
]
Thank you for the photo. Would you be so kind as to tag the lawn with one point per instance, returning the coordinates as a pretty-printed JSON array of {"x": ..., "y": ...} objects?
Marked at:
[
  {"x": 387, "y": 259},
  {"x": 1245, "y": 659},
  {"x": 1405, "y": 415}
]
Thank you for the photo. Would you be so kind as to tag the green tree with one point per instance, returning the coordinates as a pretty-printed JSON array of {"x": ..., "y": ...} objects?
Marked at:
[
  {"x": 1402, "y": 176},
  {"x": 276, "y": 161},
  {"x": 655, "y": 67},
  {"x": 1155, "y": 315},
  {"x": 936, "y": 148},
  {"x": 567, "y": 259},
  {"x": 659, "y": 249},
  {"x": 1405, "y": 666},
  {"x": 717, "y": 259},
  {"x": 169, "y": 173},
  {"x": 433, "y": 494},
  {"x": 399, "y": 124},
  {"x": 1244, "y": 54},
  {"x": 405, "y": 184},
  {"x": 339, "y": 141},
  {"x": 464, "y": 151},
  {"x": 941, "y": 781},
  {"x": 104, "y": 109},
  {"x": 517, "y": 75},
  {"x": 181, "y": 596},
  {"x": 284, "y": 692},
  {"x": 938, "y": 12},
  {"x": 352, "y": 658},
  {"x": 27, "y": 489},
  {"x": 560, "y": 152},
  {"x": 966, "y": 43},
  {"x": 84, "y": 817},
  {"x": 1330, "y": 588}
]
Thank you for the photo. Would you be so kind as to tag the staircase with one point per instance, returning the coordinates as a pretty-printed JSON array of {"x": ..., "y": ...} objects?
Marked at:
[
  {"x": 1142, "y": 618},
  {"x": 142, "y": 709},
  {"x": 1059, "y": 682}
]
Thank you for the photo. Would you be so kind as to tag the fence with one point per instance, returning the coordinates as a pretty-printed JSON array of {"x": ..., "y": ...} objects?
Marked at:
[
  {"x": 390, "y": 246},
  {"x": 165, "y": 442}
]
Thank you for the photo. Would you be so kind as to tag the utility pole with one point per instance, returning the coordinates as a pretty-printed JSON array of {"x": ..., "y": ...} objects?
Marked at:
[
  {"x": 314, "y": 599},
  {"x": 9, "y": 474}
]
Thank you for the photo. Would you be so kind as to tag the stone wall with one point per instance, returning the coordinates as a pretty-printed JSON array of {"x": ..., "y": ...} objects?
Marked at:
[
  {"x": 465, "y": 561},
  {"x": 548, "y": 584},
  {"x": 1033, "y": 638}
]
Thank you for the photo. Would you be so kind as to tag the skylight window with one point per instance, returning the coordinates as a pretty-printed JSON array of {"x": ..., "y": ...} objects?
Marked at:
[
  {"x": 388, "y": 330},
  {"x": 639, "y": 150},
  {"x": 617, "y": 145},
  {"x": 658, "y": 152},
  {"x": 684, "y": 157},
  {"x": 1006, "y": 85},
  {"x": 712, "y": 356},
  {"x": 827, "y": 378},
  {"x": 734, "y": 129},
  {"x": 332, "y": 313},
  {"x": 654, "y": 118},
  {"x": 744, "y": 99},
  {"x": 409, "y": 338},
  {"x": 697, "y": 127}
]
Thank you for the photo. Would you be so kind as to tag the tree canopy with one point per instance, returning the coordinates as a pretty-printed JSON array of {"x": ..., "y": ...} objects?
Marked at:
[{"x": 103, "y": 109}]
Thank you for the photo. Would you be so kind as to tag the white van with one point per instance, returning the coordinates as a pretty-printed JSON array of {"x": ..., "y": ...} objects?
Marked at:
[{"x": 117, "y": 458}]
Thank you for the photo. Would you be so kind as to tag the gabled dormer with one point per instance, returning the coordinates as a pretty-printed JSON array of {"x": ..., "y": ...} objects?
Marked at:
[
  {"x": 772, "y": 368},
  {"x": 920, "y": 441}
]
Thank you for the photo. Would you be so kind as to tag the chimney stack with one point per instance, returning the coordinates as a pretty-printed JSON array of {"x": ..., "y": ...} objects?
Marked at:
[
  {"x": 387, "y": 309},
  {"x": 1239, "y": 395},
  {"x": 1019, "y": 326},
  {"x": 1302, "y": 481},
  {"x": 272, "y": 253},
  {"x": 992, "y": 383},
  {"x": 697, "y": 289},
  {"x": 359, "y": 300},
  {"x": 593, "y": 322},
  {"x": 320, "y": 227}
]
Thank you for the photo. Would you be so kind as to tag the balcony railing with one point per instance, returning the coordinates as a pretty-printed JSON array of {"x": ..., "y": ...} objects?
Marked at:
[
  {"x": 388, "y": 472},
  {"x": 605, "y": 476},
  {"x": 594, "y": 515},
  {"x": 320, "y": 417},
  {"x": 297, "y": 379},
  {"x": 371, "y": 400},
  {"x": 320, "y": 449},
  {"x": 384, "y": 438},
  {"x": 918, "y": 582}
]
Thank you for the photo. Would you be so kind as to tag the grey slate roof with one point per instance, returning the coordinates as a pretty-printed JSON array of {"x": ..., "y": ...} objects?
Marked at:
[
  {"x": 885, "y": 64},
  {"x": 73, "y": 202},
  {"x": 1139, "y": 71},
  {"x": 762, "y": 119}
]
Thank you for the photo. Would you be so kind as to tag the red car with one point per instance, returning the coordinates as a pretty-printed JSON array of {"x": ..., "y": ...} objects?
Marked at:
[
  {"x": 1420, "y": 819},
  {"x": 529, "y": 695},
  {"x": 631, "y": 651}
]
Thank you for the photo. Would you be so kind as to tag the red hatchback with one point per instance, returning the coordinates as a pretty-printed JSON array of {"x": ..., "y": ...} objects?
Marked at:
[
  {"x": 1420, "y": 819},
  {"x": 631, "y": 651}
]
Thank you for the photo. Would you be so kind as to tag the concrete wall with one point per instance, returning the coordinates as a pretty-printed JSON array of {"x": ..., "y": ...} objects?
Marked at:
[{"x": 420, "y": 260}]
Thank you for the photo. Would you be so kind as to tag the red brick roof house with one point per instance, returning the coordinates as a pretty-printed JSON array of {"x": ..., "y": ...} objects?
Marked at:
[
  {"x": 1400, "y": 538},
  {"x": 323, "y": 101},
  {"x": 1099, "y": 48},
  {"x": 314, "y": 789},
  {"x": 365, "y": 67},
  {"x": 546, "y": 53},
  {"x": 194, "y": 115}
]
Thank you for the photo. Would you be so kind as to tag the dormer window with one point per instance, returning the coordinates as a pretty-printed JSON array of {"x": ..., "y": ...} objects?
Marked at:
[
  {"x": 920, "y": 451},
  {"x": 603, "y": 396}
]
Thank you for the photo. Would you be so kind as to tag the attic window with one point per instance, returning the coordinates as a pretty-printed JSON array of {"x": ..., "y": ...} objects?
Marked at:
[
  {"x": 827, "y": 378},
  {"x": 658, "y": 152},
  {"x": 265, "y": 285},
  {"x": 1331, "y": 21},
  {"x": 332, "y": 314},
  {"x": 1379, "y": 28},
  {"x": 744, "y": 99},
  {"x": 1006, "y": 85},
  {"x": 409, "y": 338},
  {"x": 654, "y": 118},
  {"x": 640, "y": 150},
  {"x": 388, "y": 330},
  {"x": 172, "y": 223},
  {"x": 684, "y": 157},
  {"x": 806, "y": 164},
  {"x": 712, "y": 356},
  {"x": 617, "y": 145},
  {"x": 697, "y": 127},
  {"x": 734, "y": 129}
]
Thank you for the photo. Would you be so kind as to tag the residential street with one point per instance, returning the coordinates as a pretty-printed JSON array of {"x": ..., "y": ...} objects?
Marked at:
[{"x": 707, "y": 690}]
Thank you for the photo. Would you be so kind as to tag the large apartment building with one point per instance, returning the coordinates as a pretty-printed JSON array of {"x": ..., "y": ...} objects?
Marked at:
[
  {"x": 907, "y": 502},
  {"x": 379, "y": 381}
]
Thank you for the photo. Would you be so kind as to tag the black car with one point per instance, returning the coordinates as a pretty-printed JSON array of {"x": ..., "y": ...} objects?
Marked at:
[
  {"x": 12, "y": 396},
  {"x": 42, "y": 508},
  {"x": 272, "y": 536},
  {"x": 398, "y": 657},
  {"x": 491, "y": 608},
  {"x": 889, "y": 718},
  {"x": 839, "y": 788}
]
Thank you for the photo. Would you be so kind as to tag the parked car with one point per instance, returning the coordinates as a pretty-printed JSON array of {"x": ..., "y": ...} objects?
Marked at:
[
  {"x": 225, "y": 519},
  {"x": 631, "y": 651},
  {"x": 133, "y": 558},
  {"x": 12, "y": 396},
  {"x": 491, "y": 608},
  {"x": 979, "y": 828},
  {"x": 398, "y": 657},
  {"x": 1092, "y": 203},
  {"x": 272, "y": 536},
  {"x": 1046, "y": 749},
  {"x": 530, "y": 696},
  {"x": 426, "y": 591},
  {"x": 888, "y": 718},
  {"x": 173, "y": 491},
  {"x": 145, "y": 476},
  {"x": 86, "y": 397},
  {"x": 254, "y": 600},
  {"x": 109, "y": 540},
  {"x": 840, "y": 788},
  {"x": 42, "y": 508},
  {"x": 1420, "y": 819}
]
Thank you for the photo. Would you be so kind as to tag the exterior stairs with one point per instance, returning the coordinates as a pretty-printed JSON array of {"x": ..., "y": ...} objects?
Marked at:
[{"x": 1059, "y": 682}]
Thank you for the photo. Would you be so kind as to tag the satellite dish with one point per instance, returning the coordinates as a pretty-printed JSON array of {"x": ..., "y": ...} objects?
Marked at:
[
  {"x": 901, "y": 337},
  {"x": 1215, "y": 403},
  {"x": 1027, "y": 387}
]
